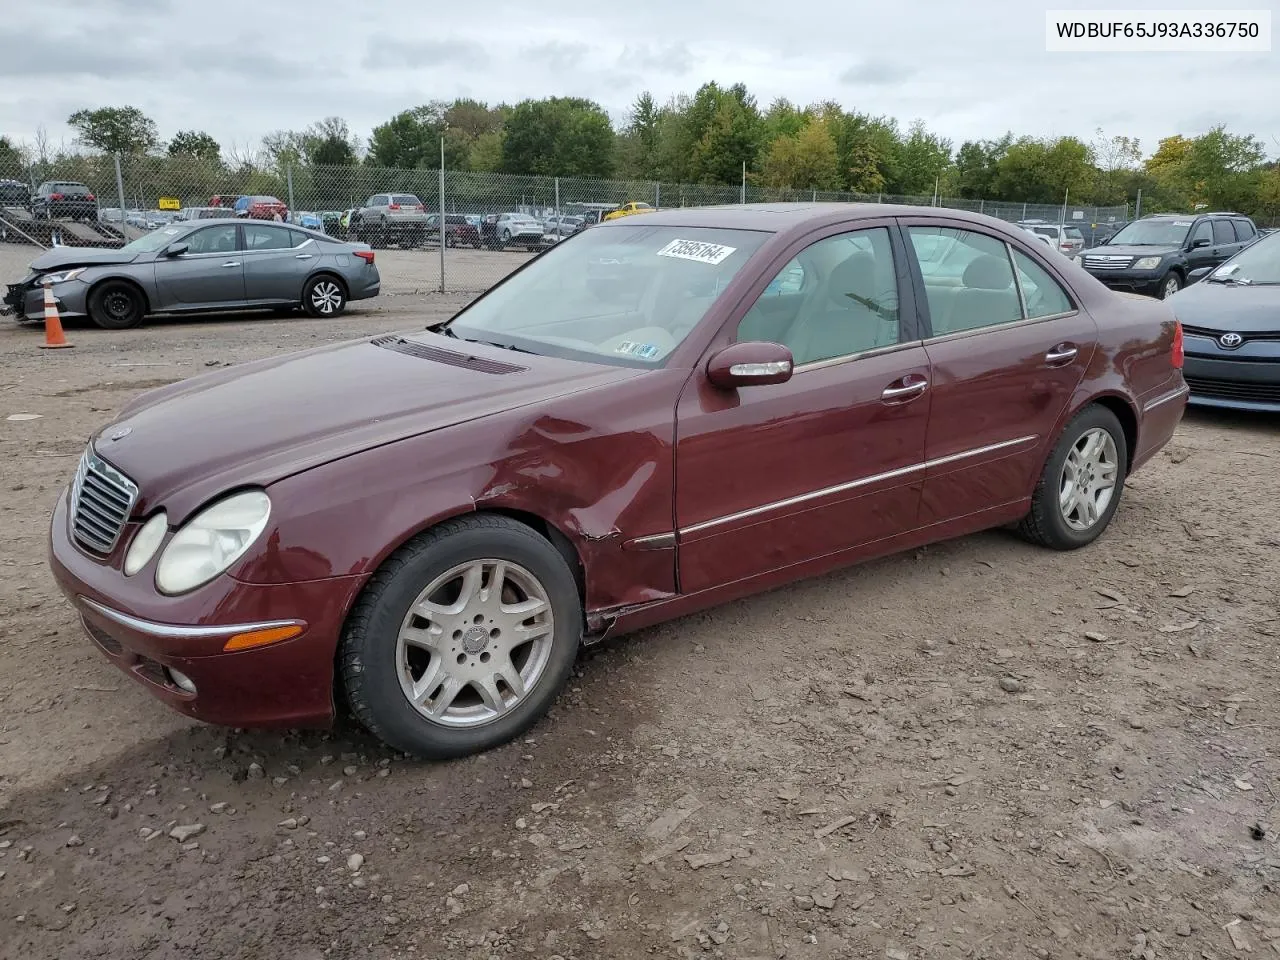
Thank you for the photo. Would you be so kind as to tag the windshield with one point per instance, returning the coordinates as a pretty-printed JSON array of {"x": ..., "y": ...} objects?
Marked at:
[
  {"x": 155, "y": 240},
  {"x": 626, "y": 296},
  {"x": 1257, "y": 263},
  {"x": 1153, "y": 233}
]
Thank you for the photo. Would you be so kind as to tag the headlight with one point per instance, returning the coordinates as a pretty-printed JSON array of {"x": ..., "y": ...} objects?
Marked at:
[
  {"x": 63, "y": 276},
  {"x": 212, "y": 541},
  {"x": 145, "y": 544},
  {"x": 1148, "y": 263}
]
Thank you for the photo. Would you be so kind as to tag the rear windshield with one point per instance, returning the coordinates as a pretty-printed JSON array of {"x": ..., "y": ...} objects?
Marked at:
[
  {"x": 1073, "y": 233},
  {"x": 406, "y": 199},
  {"x": 455, "y": 218},
  {"x": 76, "y": 188}
]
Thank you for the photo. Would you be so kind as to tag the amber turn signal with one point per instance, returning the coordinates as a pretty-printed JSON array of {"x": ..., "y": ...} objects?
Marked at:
[{"x": 260, "y": 638}]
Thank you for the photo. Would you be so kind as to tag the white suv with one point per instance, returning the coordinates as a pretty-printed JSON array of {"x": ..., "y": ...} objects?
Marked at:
[{"x": 1065, "y": 239}]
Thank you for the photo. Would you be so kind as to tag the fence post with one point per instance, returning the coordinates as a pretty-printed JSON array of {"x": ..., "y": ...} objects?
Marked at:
[
  {"x": 1024, "y": 211},
  {"x": 443, "y": 225},
  {"x": 1137, "y": 211},
  {"x": 879, "y": 198},
  {"x": 557, "y": 207},
  {"x": 120, "y": 190},
  {"x": 982, "y": 206},
  {"x": 288, "y": 176},
  {"x": 657, "y": 195}
]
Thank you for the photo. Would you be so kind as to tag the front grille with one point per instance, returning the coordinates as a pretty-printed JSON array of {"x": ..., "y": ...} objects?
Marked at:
[
  {"x": 1107, "y": 263},
  {"x": 1234, "y": 389},
  {"x": 101, "y": 500},
  {"x": 1266, "y": 336}
]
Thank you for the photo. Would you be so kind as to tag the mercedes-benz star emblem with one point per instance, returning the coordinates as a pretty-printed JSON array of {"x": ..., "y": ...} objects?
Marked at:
[
  {"x": 1230, "y": 341},
  {"x": 121, "y": 433}
]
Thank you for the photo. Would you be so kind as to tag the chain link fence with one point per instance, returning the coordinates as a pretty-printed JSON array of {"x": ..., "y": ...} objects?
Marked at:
[{"x": 492, "y": 222}]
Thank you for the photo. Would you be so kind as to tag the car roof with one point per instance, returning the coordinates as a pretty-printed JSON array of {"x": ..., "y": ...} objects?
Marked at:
[{"x": 783, "y": 217}]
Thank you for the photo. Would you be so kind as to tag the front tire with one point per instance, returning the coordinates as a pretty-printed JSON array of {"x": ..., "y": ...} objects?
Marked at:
[
  {"x": 1170, "y": 285},
  {"x": 463, "y": 639},
  {"x": 1080, "y": 488},
  {"x": 116, "y": 305},
  {"x": 323, "y": 296}
]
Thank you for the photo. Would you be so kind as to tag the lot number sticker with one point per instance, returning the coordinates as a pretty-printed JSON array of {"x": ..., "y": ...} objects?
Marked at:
[{"x": 711, "y": 253}]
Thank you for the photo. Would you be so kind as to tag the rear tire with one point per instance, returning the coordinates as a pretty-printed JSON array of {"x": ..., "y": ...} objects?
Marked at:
[
  {"x": 1080, "y": 488},
  {"x": 1170, "y": 285},
  {"x": 324, "y": 296},
  {"x": 116, "y": 305},
  {"x": 452, "y": 650}
]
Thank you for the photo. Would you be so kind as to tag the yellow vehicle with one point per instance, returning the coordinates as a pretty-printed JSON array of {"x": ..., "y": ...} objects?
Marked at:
[{"x": 628, "y": 209}]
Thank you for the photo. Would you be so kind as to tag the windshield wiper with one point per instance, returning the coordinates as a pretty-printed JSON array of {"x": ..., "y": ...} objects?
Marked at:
[
  {"x": 495, "y": 343},
  {"x": 1243, "y": 281}
]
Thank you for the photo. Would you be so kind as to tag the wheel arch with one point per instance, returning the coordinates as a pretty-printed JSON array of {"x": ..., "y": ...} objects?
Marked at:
[
  {"x": 324, "y": 272},
  {"x": 1124, "y": 409}
]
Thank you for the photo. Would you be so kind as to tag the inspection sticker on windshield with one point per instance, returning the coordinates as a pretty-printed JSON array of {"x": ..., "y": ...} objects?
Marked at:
[
  {"x": 711, "y": 253},
  {"x": 646, "y": 351},
  {"x": 1182, "y": 223}
]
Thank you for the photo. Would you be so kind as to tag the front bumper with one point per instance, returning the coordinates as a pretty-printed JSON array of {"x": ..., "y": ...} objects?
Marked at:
[
  {"x": 147, "y": 635},
  {"x": 1235, "y": 384},
  {"x": 27, "y": 300},
  {"x": 1131, "y": 281}
]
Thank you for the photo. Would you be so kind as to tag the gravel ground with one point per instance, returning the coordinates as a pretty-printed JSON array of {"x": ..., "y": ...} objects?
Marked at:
[{"x": 978, "y": 749}]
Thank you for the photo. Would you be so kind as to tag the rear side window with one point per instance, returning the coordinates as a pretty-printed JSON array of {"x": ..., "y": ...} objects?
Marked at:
[
  {"x": 1244, "y": 229},
  {"x": 1222, "y": 232},
  {"x": 1044, "y": 296},
  {"x": 1073, "y": 233},
  {"x": 262, "y": 237},
  {"x": 968, "y": 279}
]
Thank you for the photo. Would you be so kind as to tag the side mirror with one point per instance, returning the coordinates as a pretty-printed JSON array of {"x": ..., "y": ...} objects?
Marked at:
[
  {"x": 1199, "y": 273},
  {"x": 754, "y": 363},
  {"x": 1200, "y": 242},
  {"x": 176, "y": 249}
]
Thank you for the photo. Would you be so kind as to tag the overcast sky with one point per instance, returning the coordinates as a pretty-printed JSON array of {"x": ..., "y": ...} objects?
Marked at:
[{"x": 973, "y": 69}]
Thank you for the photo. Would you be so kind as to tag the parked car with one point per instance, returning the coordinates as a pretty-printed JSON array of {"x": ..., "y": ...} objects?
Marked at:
[
  {"x": 433, "y": 523},
  {"x": 304, "y": 218},
  {"x": 628, "y": 209},
  {"x": 206, "y": 213},
  {"x": 499, "y": 230},
  {"x": 15, "y": 193},
  {"x": 225, "y": 200},
  {"x": 391, "y": 218},
  {"x": 1064, "y": 238},
  {"x": 561, "y": 226},
  {"x": 1157, "y": 254},
  {"x": 262, "y": 208},
  {"x": 458, "y": 232},
  {"x": 1231, "y": 320},
  {"x": 64, "y": 198},
  {"x": 1096, "y": 234},
  {"x": 200, "y": 266}
]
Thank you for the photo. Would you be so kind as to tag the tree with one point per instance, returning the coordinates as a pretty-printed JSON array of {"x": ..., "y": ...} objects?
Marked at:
[
  {"x": 330, "y": 143},
  {"x": 976, "y": 165},
  {"x": 638, "y": 145},
  {"x": 558, "y": 136},
  {"x": 725, "y": 128},
  {"x": 1045, "y": 171},
  {"x": 11, "y": 158},
  {"x": 196, "y": 144},
  {"x": 804, "y": 160},
  {"x": 115, "y": 129},
  {"x": 1113, "y": 156},
  {"x": 923, "y": 158}
]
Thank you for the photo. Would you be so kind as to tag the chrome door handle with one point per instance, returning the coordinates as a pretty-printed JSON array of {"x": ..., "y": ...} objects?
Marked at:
[
  {"x": 904, "y": 392},
  {"x": 1061, "y": 354},
  {"x": 232, "y": 263},
  {"x": 304, "y": 256}
]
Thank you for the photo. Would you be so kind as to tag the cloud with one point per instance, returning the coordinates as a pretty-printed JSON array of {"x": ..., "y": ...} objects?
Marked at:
[
  {"x": 385, "y": 52},
  {"x": 555, "y": 54},
  {"x": 675, "y": 59},
  {"x": 875, "y": 73}
]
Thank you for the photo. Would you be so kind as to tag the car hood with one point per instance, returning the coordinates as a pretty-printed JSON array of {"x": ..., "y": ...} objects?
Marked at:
[
  {"x": 1128, "y": 250},
  {"x": 62, "y": 257},
  {"x": 1228, "y": 307},
  {"x": 260, "y": 422}
]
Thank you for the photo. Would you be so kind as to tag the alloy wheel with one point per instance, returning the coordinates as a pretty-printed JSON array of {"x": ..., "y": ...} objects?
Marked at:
[
  {"x": 475, "y": 642},
  {"x": 326, "y": 296},
  {"x": 1088, "y": 480}
]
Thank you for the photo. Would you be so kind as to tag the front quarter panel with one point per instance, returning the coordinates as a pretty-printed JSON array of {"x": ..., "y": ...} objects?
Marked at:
[{"x": 597, "y": 466}]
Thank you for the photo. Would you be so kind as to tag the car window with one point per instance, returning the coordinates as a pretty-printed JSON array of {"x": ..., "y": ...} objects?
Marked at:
[
  {"x": 1043, "y": 295},
  {"x": 297, "y": 238},
  {"x": 220, "y": 239},
  {"x": 968, "y": 279},
  {"x": 260, "y": 236},
  {"x": 1073, "y": 233},
  {"x": 1202, "y": 232},
  {"x": 1160, "y": 232},
  {"x": 406, "y": 200},
  {"x": 1244, "y": 229},
  {"x": 624, "y": 297},
  {"x": 836, "y": 298},
  {"x": 1223, "y": 232}
]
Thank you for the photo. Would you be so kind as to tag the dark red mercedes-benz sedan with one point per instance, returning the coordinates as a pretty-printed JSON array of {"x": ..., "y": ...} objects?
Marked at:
[{"x": 655, "y": 416}]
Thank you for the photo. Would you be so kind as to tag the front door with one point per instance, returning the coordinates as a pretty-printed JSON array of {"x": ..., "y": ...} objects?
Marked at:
[
  {"x": 772, "y": 476},
  {"x": 275, "y": 269},
  {"x": 1006, "y": 356},
  {"x": 209, "y": 273}
]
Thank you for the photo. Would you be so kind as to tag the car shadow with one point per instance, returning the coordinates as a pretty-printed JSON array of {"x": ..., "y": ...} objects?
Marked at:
[{"x": 1253, "y": 420}]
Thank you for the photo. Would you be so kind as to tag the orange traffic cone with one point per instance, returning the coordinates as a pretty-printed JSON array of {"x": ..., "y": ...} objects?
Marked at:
[{"x": 54, "y": 338}]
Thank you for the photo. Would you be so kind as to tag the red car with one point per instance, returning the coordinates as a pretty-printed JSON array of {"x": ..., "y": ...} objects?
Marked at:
[
  {"x": 261, "y": 208},
  {"x": 657, "y": 415}
]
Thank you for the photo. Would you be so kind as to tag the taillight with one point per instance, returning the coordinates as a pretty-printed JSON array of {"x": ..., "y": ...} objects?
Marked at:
[
  {"x": 55, "y": 196},
  {"x": 365, "y": 255},
  {"x": 89, "y": 196},
  {"x": 1177, "y": 345},
  {"x": 420, "y": 208},
  {"x": 393, "y": 206}
]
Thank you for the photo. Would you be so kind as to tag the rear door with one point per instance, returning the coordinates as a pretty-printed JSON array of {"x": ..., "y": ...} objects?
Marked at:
[
  {"x": 276, "y": 262},
  {"x": 1006, "y": 356},
  {"x": 210, "y": 273},
  {"x": 1225, "y": 242}
]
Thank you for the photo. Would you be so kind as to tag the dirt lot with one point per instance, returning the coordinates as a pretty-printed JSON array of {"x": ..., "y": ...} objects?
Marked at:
[{"x": 975, "y": 750}]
